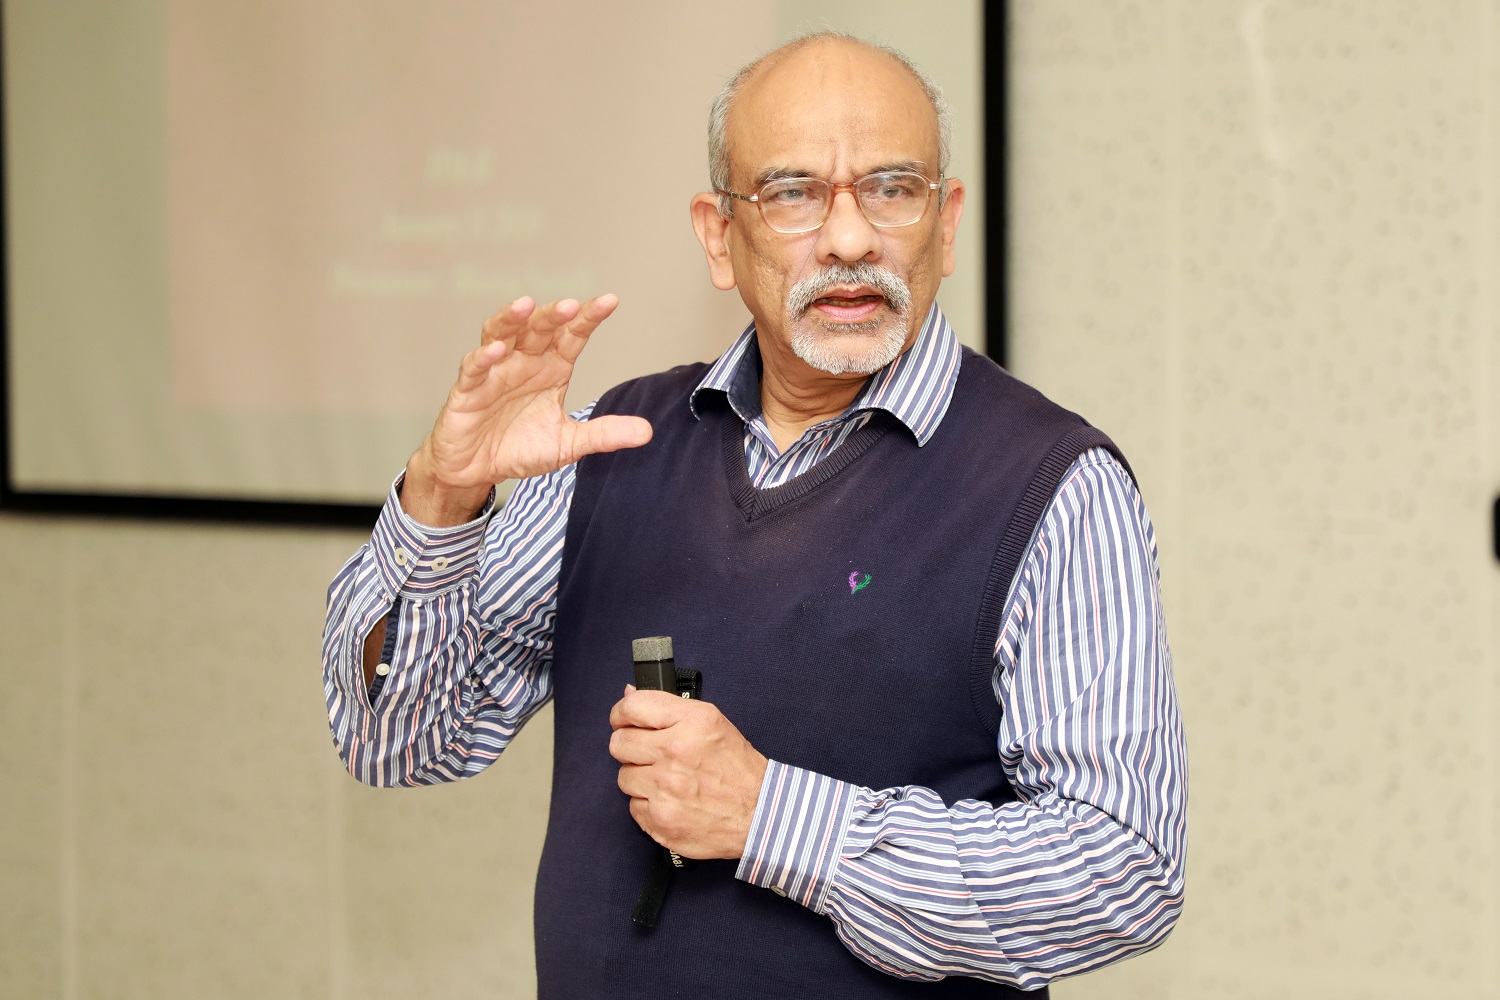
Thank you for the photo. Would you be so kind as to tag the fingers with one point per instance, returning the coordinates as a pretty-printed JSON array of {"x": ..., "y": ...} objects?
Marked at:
[
  {"x": 607, "y": 433},
  {"x": 633, "y": 780},
  {"x": 652, "y": 817},
  {"x": 593, "y": 312},
  {"x": 633, "y": 746},
  {"x": 650, "y": 710},
  {"x": 523, "y": 324},
  {"x": 640, "y": 811},
  {"x": 525, "y": 327},
  {"x": 506, "y": 323},
  {"x": 693, "y": 786},
  {"x": 531, "y": 328},
  {"x": 477, "y": 364},
  {"x": 540, "y": 332}
]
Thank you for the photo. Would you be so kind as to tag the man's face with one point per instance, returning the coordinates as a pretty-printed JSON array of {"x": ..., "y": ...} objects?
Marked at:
[{"x": 849, "y": 297}]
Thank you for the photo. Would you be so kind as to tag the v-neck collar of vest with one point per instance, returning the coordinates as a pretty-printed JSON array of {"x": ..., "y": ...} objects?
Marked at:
[{"x": 753, "y": 502}]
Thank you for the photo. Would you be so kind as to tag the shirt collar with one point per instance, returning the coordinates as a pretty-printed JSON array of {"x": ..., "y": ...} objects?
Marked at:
[{"x": 916, "y": 388}]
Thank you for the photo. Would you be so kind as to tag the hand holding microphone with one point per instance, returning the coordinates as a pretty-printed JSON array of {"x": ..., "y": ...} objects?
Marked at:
[{"x": 692, "y": 778}]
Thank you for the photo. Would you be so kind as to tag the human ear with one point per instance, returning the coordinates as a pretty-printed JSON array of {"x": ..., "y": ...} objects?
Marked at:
[
  {"x": 953, "y": 210},
  {"x": 713, "y": 231}
]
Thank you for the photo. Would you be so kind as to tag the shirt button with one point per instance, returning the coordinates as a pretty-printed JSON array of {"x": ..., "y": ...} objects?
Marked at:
[
  {"x": 401, "y": 557},
  {"x": 778, "y": 890},
  {"x": 440, "y": 563},
  {"x": 382, "y": 669}
]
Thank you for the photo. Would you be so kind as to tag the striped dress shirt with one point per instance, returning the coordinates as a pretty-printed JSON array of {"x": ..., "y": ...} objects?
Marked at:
[{"x": 1085, "y": 868}]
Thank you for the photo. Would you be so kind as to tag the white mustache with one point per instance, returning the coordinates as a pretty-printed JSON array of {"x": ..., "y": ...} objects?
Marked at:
[{"x": 813, "y": 287}]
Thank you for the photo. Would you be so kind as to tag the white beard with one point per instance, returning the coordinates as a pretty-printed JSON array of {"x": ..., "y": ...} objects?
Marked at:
[
  {"x": 842, "y": 348},
  {"x": 838, "y": 350}
]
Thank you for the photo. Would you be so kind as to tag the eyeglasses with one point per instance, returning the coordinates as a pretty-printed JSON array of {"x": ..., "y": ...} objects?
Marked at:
[{"x": 889, "y": 199}]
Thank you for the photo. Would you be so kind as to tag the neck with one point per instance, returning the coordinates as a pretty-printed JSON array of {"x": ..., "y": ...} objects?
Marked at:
[{"x": 794, "y": 396}]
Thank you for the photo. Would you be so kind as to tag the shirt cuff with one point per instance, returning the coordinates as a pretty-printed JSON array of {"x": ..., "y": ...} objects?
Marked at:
[
  {"x": 415, "y": 560},
  {"x": 797, "y": 834}
]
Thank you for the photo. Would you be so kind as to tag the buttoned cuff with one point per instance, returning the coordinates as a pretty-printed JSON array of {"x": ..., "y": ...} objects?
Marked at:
[
  {"x": 415, "y": 560},
  {"x": 797, "y": 834}
]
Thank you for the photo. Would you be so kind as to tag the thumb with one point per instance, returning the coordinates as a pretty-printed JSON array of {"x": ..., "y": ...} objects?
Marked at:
[{"x": 611, "y": 433}]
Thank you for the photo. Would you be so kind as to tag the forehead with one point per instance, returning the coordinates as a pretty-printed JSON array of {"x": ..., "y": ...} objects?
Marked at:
[{"x": 830, "y": 107}]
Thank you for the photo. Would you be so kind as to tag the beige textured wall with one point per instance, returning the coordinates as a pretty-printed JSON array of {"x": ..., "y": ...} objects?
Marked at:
[
  {"x": 1256, "y": 240},
  {"x": 174, "y": 822}
]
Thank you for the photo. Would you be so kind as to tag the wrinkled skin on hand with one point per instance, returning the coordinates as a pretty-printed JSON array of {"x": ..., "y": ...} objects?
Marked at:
[
  {"x": 692, "y": 778},
  {"x": 505, "y": 416}
]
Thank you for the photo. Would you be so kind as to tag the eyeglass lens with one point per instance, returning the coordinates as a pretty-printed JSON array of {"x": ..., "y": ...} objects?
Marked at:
[{"x": 798, "y": 204}]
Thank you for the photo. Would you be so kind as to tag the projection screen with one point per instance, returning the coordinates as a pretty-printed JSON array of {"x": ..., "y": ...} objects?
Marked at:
[{"x": 247, "y": 243}]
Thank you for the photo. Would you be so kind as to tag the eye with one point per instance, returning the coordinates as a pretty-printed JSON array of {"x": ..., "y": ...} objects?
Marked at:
[
  {"x": 787, "y": 193},
  {"x": 893, "y": 187}
]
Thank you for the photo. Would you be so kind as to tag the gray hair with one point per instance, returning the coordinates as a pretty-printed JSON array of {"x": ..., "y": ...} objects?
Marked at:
[{"x": 718, "y": 112}]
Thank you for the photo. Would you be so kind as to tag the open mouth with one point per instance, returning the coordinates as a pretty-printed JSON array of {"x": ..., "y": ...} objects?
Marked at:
[{"x": 844, "y": 307}]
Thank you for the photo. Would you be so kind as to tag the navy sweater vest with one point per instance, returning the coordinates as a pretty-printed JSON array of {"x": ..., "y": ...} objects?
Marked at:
[{"x": 844, "y": 621}]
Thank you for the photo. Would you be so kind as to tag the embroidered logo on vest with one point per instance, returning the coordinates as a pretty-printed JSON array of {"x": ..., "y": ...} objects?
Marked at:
[{"x": 856, "y": 584}]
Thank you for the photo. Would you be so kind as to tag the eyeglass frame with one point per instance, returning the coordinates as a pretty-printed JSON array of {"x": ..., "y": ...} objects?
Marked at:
[{"x": 835, "y": 188}]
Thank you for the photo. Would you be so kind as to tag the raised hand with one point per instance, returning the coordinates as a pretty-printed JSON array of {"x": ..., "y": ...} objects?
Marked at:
[{"x": 505, "y": 417}]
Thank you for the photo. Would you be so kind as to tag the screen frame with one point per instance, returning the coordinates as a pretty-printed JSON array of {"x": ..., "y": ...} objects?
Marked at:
[{"x": 240, "y": 510}]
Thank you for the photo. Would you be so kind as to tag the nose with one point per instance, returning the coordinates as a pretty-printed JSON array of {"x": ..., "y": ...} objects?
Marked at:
[{"x": 847, "y": 235}]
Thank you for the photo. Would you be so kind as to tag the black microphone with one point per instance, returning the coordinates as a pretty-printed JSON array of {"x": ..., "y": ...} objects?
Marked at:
[{"x": 656, "y": 670}]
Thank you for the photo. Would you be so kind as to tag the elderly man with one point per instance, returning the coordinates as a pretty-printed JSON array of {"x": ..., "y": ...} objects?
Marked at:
[{"x": 941, "y": 741}]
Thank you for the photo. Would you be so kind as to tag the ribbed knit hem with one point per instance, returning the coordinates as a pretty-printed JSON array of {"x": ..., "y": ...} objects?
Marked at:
[{"x": 797, "y": 834}]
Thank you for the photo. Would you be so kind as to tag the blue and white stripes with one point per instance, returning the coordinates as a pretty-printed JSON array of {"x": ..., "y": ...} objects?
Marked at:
[
  {"x": 1084, "y": 869},
  {"x": 1087, "y": 867}
]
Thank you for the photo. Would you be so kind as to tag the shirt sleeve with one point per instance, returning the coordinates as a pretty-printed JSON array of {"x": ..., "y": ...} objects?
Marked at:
[
  {"x": 1087, "y": 866},
  {"x": 469, "y": 622}
]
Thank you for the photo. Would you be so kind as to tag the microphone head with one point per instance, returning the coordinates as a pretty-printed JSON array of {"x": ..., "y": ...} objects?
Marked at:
[{"x": 654, "y": 648}]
